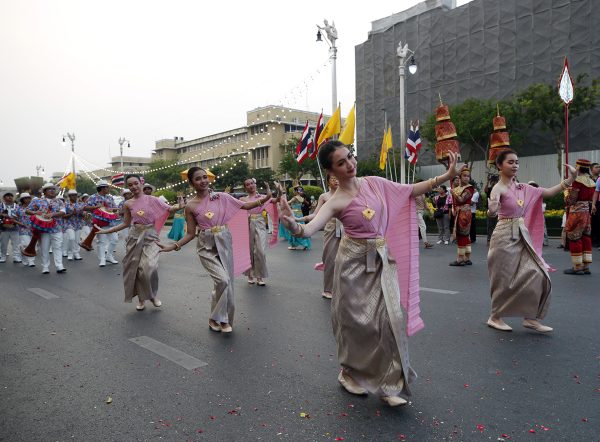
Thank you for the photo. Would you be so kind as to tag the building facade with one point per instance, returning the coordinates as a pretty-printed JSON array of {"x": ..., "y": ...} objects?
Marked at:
[
  {"x": 258, "y": 141},
  {"x": 485, "y": 49}
]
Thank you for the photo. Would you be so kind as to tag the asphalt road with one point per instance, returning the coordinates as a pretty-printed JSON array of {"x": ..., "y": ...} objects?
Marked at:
[{"x": 274, "y": 378}]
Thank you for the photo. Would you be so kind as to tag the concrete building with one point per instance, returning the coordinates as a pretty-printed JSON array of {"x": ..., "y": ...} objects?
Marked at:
[
  {"x": 258, "y": 141},
  {"x": 484, "y": 49}
]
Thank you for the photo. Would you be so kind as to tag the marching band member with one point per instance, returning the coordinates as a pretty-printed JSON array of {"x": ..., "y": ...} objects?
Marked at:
[
  {"x": 9, "y": 230},
  {"x": 148, "y": 189},
  {"x": 25, "y": 227},
  {"x": 51, "y": 209},
  {"x": 103, "y": 200},
  {"x": 72, "y": 225}
]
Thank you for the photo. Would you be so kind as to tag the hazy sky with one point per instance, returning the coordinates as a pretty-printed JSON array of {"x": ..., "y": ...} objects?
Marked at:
[{"x": 148, "y": 70}]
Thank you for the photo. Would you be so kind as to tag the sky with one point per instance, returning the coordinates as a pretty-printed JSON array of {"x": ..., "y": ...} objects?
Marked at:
[{"x": 147, "y": 70}]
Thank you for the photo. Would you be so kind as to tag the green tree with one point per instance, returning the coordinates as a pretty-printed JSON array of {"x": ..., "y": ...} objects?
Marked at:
[
  {"x": 289, "y": 165},
  {"x": 85, "y": 185},
  {"x": 262, "y": 175},
  {"x": 230, "y": 174},
  {"x": 541, "y": 107},
  {"x": 370, "y": 166},
  {"x": 165, "y": 173}
]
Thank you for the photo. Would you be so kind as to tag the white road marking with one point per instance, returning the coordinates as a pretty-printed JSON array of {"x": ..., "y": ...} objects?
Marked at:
[
  {"x": 172, "y": 354},
  {"x": 444, "y": 292},
  {"x": 43, "y": 293}
]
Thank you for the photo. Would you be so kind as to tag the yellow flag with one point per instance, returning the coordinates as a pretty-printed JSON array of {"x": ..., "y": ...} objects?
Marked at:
[
  {"x": 68, "y": 181},
  {"x": 347, "y": 136},
  {"x": 332, "y": 127},
  {"x": 386, "y": 144}
]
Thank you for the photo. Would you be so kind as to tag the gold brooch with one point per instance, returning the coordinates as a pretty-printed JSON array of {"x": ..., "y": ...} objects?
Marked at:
[
  {"x": 368, "y": 213},
  {"x": 140, "y": 212},
  {"x": 520, "y": 202},
  {"x": 209, "y": 214}
]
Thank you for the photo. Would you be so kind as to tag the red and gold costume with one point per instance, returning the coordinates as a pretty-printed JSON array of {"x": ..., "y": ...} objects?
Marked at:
[
  {"x": 578, "y": 227},
  {"x": 461, "y": 197}
]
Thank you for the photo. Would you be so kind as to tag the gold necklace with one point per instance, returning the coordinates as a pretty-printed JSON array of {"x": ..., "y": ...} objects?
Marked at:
[
  {"x": 368, "y": 213},
  {"x": 520, "y": 201}
]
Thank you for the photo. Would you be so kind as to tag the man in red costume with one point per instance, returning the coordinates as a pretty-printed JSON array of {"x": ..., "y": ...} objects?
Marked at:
[{"x": 461, "y": 196}]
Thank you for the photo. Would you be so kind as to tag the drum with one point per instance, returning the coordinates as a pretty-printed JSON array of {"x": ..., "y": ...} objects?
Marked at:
[
  {"x": 102, "y": 217},
  {"x": 42, "y": 223}
]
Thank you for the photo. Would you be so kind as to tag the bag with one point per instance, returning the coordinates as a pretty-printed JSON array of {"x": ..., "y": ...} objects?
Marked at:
[{"x": 438, "y": 214}]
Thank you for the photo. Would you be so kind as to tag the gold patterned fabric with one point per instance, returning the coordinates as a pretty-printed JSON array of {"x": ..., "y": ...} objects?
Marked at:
[
  {"x": 140, "y": 264},
  {"x": 259, "y": 243},
  {"x": 331, "y": 241},
  {"x": 369, "y": 325},
  {"x": 215, "y": 249},
  {"x": 519, "y": 283}
]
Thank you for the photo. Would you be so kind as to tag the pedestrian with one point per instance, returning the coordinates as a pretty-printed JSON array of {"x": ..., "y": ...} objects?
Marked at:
[
  {"x": 461, "y": 197},
  {"x": 258, "y": 227},
  {"x": 145, "y": 216},
  {"x": 376, "y": 273},
  {"x": 332, "y": 234},
  {"x": 148, "y": 189},
  {"x": 474, "y": 202},
  {"x": 24, "y": 222},
  {"x": 578, "y": 228},
  {"x": 47, "y": 213},
  {"x": 9, "y": 229},
  {"x": 519, "y": 281},
  {"x": 422, "y": 207},
  {"x": 210, "y": 213},
  {"x": 442, "y": 204}
]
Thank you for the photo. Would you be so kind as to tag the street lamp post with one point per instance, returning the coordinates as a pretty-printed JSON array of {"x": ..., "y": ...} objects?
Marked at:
[
  {"x": 330, "y": 37},
  {"x": 403, "y": 53},
  {"x": 72, "y": 139},
  {"x": 122, "y": 141}
]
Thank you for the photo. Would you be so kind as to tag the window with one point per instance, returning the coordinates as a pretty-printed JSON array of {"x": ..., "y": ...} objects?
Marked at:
[{"x": 260, "y": 156}]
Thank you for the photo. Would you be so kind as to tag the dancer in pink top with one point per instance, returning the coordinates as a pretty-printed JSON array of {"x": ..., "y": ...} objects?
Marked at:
[
  {"x": 376, "y": 273},
  {"x": 147, "y": 214},
  {"x": 519, "y": 281},
  {"x": 223, "y": 228}
]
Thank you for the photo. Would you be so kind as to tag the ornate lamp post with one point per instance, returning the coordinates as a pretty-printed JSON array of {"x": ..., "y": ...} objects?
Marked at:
[
  {"x": 64, "y": 143},
  {"x": 330, "y": 37},
  {"x": 122, "y": 141},
  {"x": 403, "y": 53}
]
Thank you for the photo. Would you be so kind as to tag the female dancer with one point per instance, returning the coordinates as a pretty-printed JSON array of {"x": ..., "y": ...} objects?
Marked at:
[
  {"x": 178, "y": 228},
  {"x": 259, "y": 241},
  {"x": 140, "y": 265},
  {"x": 380, "y": 229},
  {"x": 332, "y": 233},
  {"x": 210, "y": 212},
  {"x": 296, "y": 203},
  {"x": 520, "y": 285}
]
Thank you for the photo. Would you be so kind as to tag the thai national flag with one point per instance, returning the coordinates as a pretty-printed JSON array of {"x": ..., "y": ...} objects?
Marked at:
[
  {"x": 312, "y": 153},
  {"x": 118, "y": 180},
  {"x": 413, "y": 145},
  {"x": 304, "y": 145}
]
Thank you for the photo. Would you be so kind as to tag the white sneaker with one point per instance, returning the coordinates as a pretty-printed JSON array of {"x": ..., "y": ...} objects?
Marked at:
[
  {"x": 102, "y": 263},
  {"x": 31, "y": 264},
  {"x": 70, "y": 257},
  {"x": 78, "y": 257},
  {"x": 112, "y": 260},
  {"x": 439, "y": 242},
  {"x": 2, "y": 259},
  {"x": 446, "y": 243},
  {"x": 45, "y": 271}
]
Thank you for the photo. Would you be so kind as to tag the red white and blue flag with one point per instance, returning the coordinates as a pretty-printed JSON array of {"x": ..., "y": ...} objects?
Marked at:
[
  {"x": 304, "y": 145},
  {"x": 312, "y": 153},
  {"x": 413, "y": 145},
  {"x": 118, "y": 180}
]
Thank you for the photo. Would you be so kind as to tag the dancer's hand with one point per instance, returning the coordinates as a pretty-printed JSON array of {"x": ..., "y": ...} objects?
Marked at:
[
  {"x": 593, "y": 209},
  {"x": 284, "y": 208},
  {"x": 572, "y": 170},
  {"x": 269, "y": 193},
  {"x": 452, "y": 170},
  {"x": 165, "y": 248}
]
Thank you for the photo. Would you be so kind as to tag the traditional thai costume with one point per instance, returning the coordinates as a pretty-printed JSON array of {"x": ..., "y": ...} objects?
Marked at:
[
  {"x": 140, "y": 263},
  {"x": 461, "y": 197},
  {"x": 258, "y": 230},
  {"x": 178, "y": 228},
  {"x": 295, "y": 242},
  {"x": 222, "y": 227},
  {"x": 332, "y": 235},
  {"x": 519, "y": 281},
  {"x": 376, "y": 278}
]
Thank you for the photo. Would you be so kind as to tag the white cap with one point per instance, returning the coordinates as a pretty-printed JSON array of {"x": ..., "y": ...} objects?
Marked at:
[
  {"x": 125, "y": 191},
  {"x": 149, "y": 185},
  {"x": 102, "y": 183},
  {"x": 24, "y": 195},
  {"x": 72, "y": 192},
  {"x": 84, "y": 195},
  {"x": 48, "y": 186}
]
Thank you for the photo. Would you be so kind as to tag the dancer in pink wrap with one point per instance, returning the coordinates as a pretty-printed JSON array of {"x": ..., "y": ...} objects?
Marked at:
[
  {"x": 223, "y": 242},
  {"x": 519, "y": 281},
  {"x": 147, "y": 214},
  {"x": 376, "y": 278}
]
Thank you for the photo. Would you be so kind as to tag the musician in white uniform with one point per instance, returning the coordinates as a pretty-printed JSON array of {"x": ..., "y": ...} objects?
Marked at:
[
  {"x": 102, "y": 199},
  {"x": 9, "y": 230},
  {"x": 25, "y": 227},
  {"x": 54, "y": 209}
]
